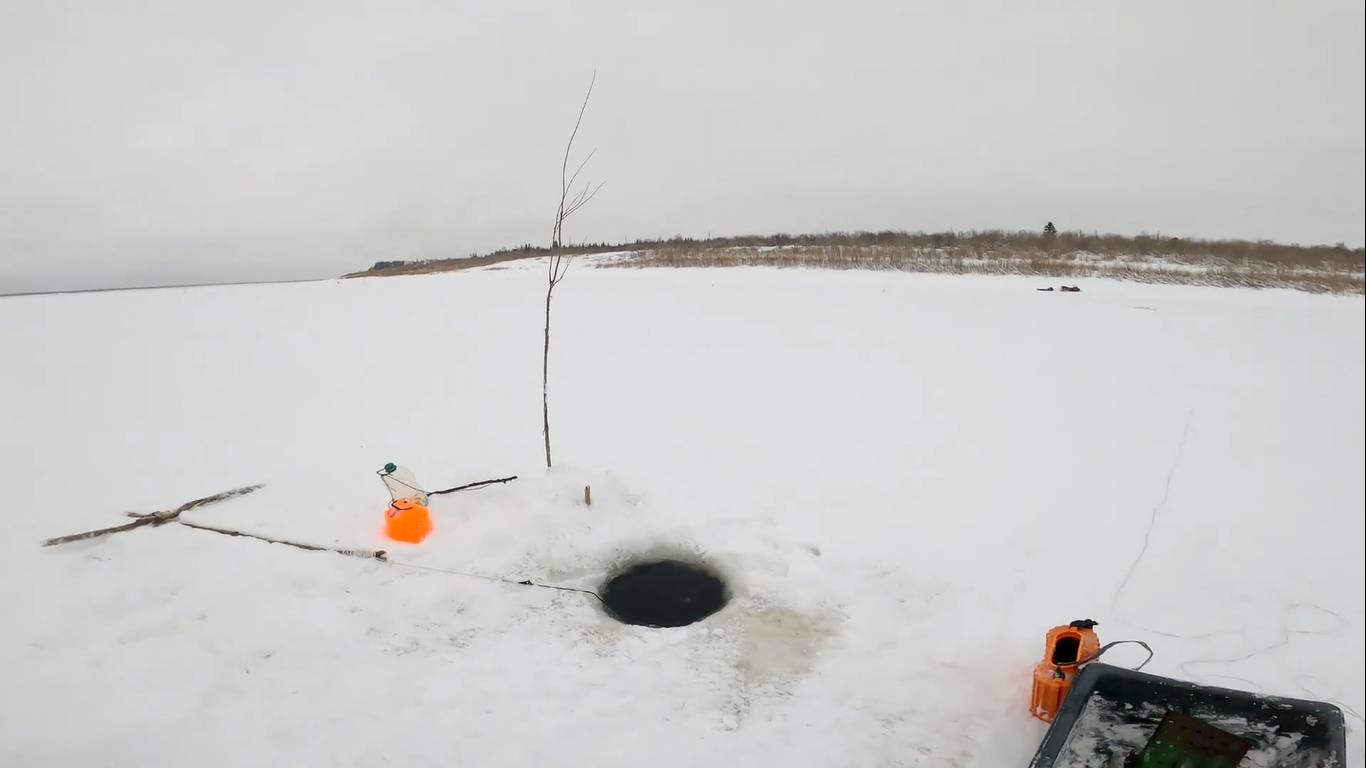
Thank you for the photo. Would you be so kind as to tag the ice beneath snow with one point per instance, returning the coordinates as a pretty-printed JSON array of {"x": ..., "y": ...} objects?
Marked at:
[{"x": 907, "y": 479}]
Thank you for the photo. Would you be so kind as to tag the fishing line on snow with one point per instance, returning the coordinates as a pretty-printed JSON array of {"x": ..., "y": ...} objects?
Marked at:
[
  {"x": 467, "y": 574},
  {"x": 485, "y": 577},
  {"x": 1287, "y": 634},
  {"x": 465, "y": 487}
]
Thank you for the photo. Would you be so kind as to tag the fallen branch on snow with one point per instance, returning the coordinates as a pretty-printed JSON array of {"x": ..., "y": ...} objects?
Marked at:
[
  {"x": 365, "y": 554},
  {"x": 154, "y": 518},
  {"x": 471, "y": 486}
]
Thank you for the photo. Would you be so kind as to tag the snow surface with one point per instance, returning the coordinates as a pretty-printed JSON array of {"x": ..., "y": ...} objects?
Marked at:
[{"x": 907, "y": 478}]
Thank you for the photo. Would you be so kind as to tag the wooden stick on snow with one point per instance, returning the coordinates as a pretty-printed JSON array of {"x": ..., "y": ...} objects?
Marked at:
[
  {"x": 154, "y": 518},
  {"x": 365, "y": 554}
]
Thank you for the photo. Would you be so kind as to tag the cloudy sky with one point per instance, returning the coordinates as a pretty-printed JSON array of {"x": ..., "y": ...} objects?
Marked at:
[{"x": 166, "y": 141}]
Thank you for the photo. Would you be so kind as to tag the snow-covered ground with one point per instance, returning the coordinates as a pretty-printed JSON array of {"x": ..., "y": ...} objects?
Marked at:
[{"x": 907, "y": 479}]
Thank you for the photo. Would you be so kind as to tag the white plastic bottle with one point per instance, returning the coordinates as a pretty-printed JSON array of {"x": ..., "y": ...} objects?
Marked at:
[{"x": 402, "y": 484}]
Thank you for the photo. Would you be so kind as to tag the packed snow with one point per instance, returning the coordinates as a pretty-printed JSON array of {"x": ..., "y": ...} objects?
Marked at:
[{"x": 906, "y": 479}]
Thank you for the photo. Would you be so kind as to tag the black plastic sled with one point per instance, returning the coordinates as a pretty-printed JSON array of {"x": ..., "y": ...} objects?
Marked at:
[{"x": 1111, "y": 713}]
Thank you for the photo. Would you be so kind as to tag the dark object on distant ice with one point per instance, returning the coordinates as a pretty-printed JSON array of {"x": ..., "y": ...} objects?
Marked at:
[
  {"x": 1112, "y": 713},
  {"x": 1070, "y": 289},
  {"x": 664, "y": 593},
  {"x": 1049, "y": 288}
]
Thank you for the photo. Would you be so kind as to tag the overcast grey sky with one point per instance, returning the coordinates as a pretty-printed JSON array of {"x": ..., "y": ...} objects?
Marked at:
[{"x": 170, "y": 141}]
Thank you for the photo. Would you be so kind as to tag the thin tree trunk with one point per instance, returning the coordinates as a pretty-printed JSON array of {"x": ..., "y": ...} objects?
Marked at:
[
  {"x": 545, "y": 376},
  {"x": 556, "y": 266}
]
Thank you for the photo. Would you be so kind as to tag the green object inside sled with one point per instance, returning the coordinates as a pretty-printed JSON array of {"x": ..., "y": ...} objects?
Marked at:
[{"x": 1181, "y": 741}]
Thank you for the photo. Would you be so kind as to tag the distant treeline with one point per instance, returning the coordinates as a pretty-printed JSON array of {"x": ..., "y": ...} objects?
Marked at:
[{"x": 983, "y": 242}]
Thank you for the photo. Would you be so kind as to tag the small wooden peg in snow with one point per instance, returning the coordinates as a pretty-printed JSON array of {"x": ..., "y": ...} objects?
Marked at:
[{"x": 588, "y": 495}]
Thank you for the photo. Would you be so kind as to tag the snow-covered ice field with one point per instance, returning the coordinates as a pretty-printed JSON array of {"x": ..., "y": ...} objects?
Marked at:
[{"x": 907, "y": 479}]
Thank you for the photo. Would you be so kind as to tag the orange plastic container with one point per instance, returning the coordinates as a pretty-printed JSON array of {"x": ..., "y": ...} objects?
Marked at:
[
  {"x": 1065, "y": 649},
  {"x": 406, "y": 520}
]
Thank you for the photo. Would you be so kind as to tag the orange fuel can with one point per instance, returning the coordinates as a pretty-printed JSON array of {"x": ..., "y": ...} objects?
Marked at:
[
  {"x": 406, "y": 520},
  {"x": 1065, "y": 648}
]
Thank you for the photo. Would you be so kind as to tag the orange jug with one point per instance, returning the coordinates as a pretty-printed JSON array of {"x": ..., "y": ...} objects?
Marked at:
[
  {"x": 406, "y": 520},
  {"x": 1065, "y": 650}
]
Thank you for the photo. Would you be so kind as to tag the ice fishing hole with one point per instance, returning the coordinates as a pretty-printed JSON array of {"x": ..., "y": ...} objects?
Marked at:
[{"x": 664, "y": 593}]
